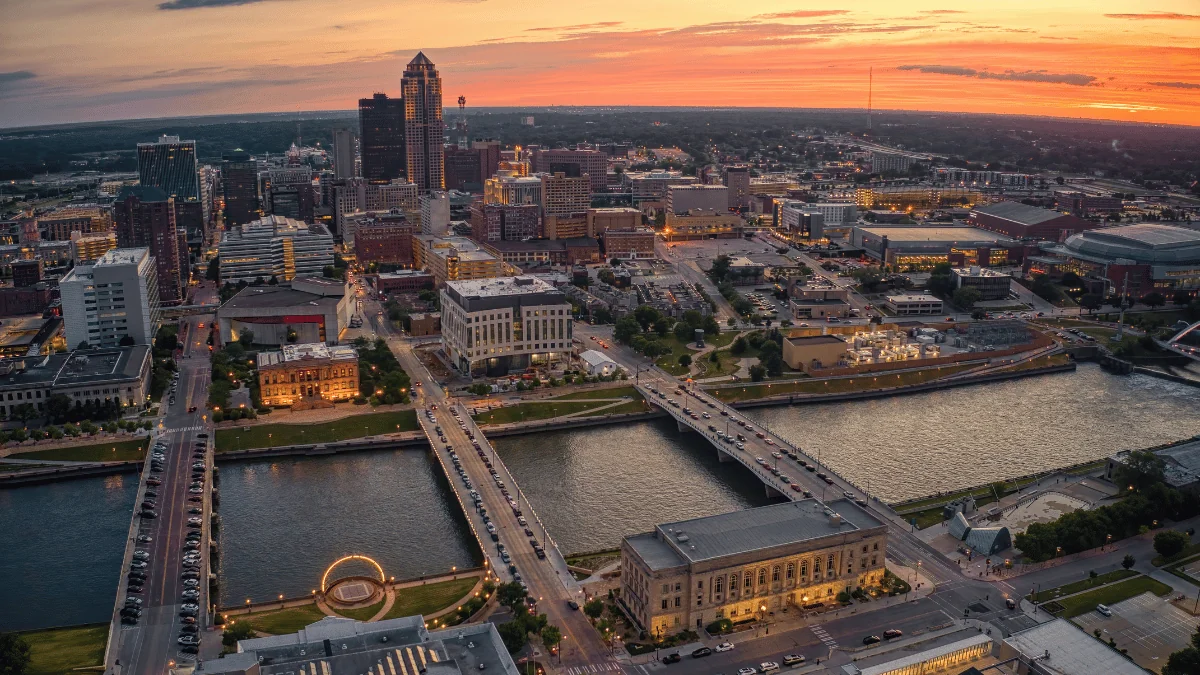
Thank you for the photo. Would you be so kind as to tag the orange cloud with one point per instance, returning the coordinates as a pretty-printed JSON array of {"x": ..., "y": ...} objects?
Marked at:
[{"x": 1156, "y": 16}]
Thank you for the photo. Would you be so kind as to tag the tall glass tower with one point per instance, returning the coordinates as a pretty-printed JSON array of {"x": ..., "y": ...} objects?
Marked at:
[
  {"x": 424, "y": 131},
  {"x": 170, "y": 165}
]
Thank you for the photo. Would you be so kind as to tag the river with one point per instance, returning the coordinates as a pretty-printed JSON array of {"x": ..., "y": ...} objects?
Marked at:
[{"x": 285, "y": 520}]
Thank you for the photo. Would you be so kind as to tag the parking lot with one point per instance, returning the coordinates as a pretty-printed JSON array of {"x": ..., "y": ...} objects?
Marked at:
[{"x": 1148, "y": 626}]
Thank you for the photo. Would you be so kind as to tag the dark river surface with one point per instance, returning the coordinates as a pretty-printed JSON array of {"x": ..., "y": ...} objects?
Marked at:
[{"x": 285, "y": 521}]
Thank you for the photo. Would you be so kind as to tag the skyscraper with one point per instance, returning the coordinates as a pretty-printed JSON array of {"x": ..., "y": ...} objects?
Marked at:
[
  {"x": 343, "y": 153},
  {"x": 424, "y": 131},
  {"x": 239, "y": 182},
  {"x": 170, "y": 165},
  {"x": 381, "y": 137},
  {"x": 145, "y": 218}
]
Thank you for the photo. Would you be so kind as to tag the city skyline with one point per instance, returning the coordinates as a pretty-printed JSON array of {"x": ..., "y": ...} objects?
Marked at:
[{"x": 1101, "y": 60}]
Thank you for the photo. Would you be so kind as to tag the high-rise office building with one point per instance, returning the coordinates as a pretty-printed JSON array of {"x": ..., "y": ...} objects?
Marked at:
[
  {"x": 114, "y": 297},
  {"x": 274, "y": 246},
  {"x": 145, "y": 218},
  {"x": 573, "y": 164},
  {"x": 509, "y": 189},
  {"x": 170, "y": 164},
  {"x": 381, "y": 137},
  {"x": 564, "y": 196},
  {"x": 424, "y": 131},
  {"x": 737, "y": 179},
  {"x": 239, "y": 183},
  {"x": 343, "y": 153}
]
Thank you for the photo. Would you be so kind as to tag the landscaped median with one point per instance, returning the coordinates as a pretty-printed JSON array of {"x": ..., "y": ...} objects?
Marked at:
[
  {"x": 1082, "y": 603},
  {"x": 354, "y": 426},
  {"x": 1080, "y": 586},
  {"x": 590, "y": 403},
  {"x": 837, "y": 385}
]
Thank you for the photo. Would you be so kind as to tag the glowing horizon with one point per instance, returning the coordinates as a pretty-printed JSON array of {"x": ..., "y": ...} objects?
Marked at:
[{"x": 77, "y": 60}]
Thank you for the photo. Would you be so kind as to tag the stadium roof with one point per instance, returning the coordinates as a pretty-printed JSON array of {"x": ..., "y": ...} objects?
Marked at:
[{"x": 1019, "y": 213}]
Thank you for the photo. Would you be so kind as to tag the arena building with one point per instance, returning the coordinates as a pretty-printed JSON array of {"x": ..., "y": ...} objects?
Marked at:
[{"x": 1156, "y": 258}]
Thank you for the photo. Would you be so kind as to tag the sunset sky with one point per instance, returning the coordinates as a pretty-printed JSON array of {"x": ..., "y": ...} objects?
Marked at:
[{"x": 80, "y": 60}]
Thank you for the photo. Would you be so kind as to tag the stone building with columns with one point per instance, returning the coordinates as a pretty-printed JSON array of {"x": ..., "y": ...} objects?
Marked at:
[
  {"x": 747, "y": 564},
  {"x": 308, "y": 375}
]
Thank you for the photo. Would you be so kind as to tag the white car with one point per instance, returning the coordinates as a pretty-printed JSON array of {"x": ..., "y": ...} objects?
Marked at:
[
  {"x": 724, "y": 647},
  {"x": 768, "y": 666},
  {"x": 746, "y": 671}
]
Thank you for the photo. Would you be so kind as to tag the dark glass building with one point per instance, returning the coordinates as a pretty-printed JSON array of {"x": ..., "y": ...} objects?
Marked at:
[
  {"x": 170, "y": 165},
  {"x": 239, "y": 183},
  {"x": 145, "y": 218},
  {"x": 381, "y": 137}
]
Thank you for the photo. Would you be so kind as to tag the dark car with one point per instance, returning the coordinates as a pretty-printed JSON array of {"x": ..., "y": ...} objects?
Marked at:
[
  {"x": 872, "y": 640},
  {"x": 892, "y": 633},
  {"x": 672, "y": 658},
  {"x": 1010, "y": 603},
  {"x": 701, "y": 652},
  {"x": 190, "y": 649},
  {"x": 149, "y": 514},
  {"x": 573, "y": 605}
]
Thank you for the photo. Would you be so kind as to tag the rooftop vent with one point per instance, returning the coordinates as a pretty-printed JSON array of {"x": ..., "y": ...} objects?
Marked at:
[
  {"x": 681, "y": 537},
  {"x": 835, "y": 520}
]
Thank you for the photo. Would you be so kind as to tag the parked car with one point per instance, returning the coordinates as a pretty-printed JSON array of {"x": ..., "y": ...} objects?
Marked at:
[{"x": 672, "y": 658}]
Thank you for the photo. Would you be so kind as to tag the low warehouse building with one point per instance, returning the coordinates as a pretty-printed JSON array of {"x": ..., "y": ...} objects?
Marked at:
[
  {"x": 310, "y": 309},
  {"x": 813, "y": 352}
]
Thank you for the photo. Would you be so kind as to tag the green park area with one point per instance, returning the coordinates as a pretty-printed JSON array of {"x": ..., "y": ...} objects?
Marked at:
[
  {"x": 1045, "y": 595},
  {"x": 837, "y": 385},
  {"x": 535, "y": 410},
  {"x": 429, "y": 599},
  {"x": 62, "y": 650},
  {"x": 355, "y": 426},
  {"x": 670, "y": 361},
  {"x": 612, "y": 392},
  {"x": 636, "y": 406},
  {"x": 1107, "y": 595},
  {"x": 281, "y": 621},
  {"x": 116, "y": 451},
  {"x": 362, "y": 613}
]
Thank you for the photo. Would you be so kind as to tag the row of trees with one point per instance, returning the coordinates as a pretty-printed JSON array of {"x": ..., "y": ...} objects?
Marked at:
[
  {"x": 515, "y": 633},
  {"x": 769, "y": 346},
  {"x": 643, "y": 329},
  {"x": 1148, "y": 501},
  {"x": 381, "y": 380}
]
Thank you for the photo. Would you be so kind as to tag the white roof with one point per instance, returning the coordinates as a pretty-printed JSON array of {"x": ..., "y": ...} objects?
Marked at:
[
  {"x": 595, "y": 358},
  {"x": 1070, "y": 650},
  {"x": 928, "y": 655}
]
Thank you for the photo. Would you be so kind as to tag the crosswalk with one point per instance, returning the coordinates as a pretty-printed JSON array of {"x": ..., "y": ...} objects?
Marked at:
[
  {"x": 607, "y": 666},
  {"x": 824, "y": 636},
  {"x": 196, "y": 427}
]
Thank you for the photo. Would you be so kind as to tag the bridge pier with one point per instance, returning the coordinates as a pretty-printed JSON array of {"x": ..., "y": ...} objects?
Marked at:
[
  {"x": 724, "y": 457},
  {"x": 681, "y": 426},
  {"x": 772, "y": 492}
]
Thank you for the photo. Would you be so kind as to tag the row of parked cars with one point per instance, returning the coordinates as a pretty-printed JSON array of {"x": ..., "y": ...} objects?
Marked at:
[{"x": 192, "y": 562}]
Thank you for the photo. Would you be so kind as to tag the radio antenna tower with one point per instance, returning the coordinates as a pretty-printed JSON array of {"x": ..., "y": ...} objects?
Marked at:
[
  {"x": 870, "y": 94},
  {"x": 463, "y": 141}
]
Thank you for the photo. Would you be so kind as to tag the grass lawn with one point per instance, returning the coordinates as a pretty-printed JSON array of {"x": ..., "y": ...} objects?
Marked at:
[
  {"x": 363, "y": 613},
  {"x": 615, "y": 392},
  {"x": 116, "y": 451},
  {"x": 282, "y": 621},
  {"x": 1082, "y": 585},
  {"x": 1109, "y": 595},
  {"x": 837, "y": 385},
  {"x": 1099, "y": 332},
  {"x": 637, "y": 406},
  {"x": 4, "y": 468},
  {"x": 526, "y": 412},
  {"x": 1043, "y": 361},
  {"x": 670, "y": 362},
  {"x": 61, "y": 650},
  {"x": 594, "y": 561},
  {"x": 430, "y": 598},
  {"x": 354, "y": 426}
]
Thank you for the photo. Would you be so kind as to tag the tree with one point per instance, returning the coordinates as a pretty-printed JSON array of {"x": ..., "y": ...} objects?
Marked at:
[
  {"x": 24, "y": 412},
  {"x": 1170, "y": 542},
  {"x": 683, "y": 332},
  {"x": 720, "y": 268},
  {"x": 627, "y": 327},
  {"x": 15, "y": 654},
  {"x": 738, "y": 346},
  {"x": 869, "y": 278},
  {"x": 1181, "y": 298},
  {"x": 236, "y": 632},
  {"x": 1044, "y": 288},
  {"x": 479, "y": 389},
  {"x": 593, "y": 608},
  {"x": 710, "y": 325},
  {"x": 83, "y": 345},
  {"x": 1128, "y": 561},
  {"x": 58, "y": 406},
  {"x": 513, "y": 634},
  {"x": 273, "y": 281},
  {"x": 646, "y": 316},
  {"x": 292, "y": 336},
  {"x": 757, "y": 372},
  {"x": 511, "y": 595},
  {"x": 771, "y": 357},
  {"x": 1185, "y": 661},
  {"x": 214, "y": 270},
  {"x": 966, "y": 298},
  {"x": 606, "y": 275},
  {"x": 126, "y": 341},
  {"x": 551, "y": 636},
  {"x": 246, "y": 338},
  {"x": 662, "y": 327},
  {"x": 1071, "y": 279},
  {"x": 685, "y": 360},
  {"x": 1091, "y": 301},
  {"x": 1154, "y": 299},
  {"x": 1140, "y": 470}
]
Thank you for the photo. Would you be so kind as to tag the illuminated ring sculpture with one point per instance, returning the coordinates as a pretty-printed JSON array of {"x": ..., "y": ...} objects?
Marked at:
[{"x": 339, "y": 561}]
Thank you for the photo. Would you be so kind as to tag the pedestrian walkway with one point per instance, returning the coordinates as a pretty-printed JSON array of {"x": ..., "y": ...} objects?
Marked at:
[
  {"x": 824, "y": 636},
  {"x": 605, "y": 667}
]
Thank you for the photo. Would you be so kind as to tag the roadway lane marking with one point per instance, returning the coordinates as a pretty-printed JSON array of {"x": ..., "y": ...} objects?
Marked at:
[{"x": 824, "y": 636}]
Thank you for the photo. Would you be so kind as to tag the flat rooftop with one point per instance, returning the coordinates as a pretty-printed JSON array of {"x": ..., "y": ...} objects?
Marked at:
[
  {"x": 309, "y": 351},
  {"x": 500, "y": 286},
  {"x": 914, "y": 297},
  {"x": 953, "y": 235},
  {"x": 802, "y": 340},
  {"x": 1066, "y": 649},
  {"x": 978, "y": 272},
  {"x": 1019, "y": 213},
  {"x": 758, "y": 529},
  {"x": 261, "y": 297}
]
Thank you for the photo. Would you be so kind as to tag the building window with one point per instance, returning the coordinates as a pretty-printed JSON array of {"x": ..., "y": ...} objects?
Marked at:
[
  {"x": 875, "y": 547},
  {"x": 699, "y": 601},
  {"x": 829, "y": 567},
  {"x": 775, "y": 573},
  {"x": 872, "y": 561},
  {"x": 664, "y": 603},
  {"x": 678, "y": 587},
  {"x": 762, "y": 576},
  {"x": 719, "y": 583},
  {"x": 791, "y": 569},
  {"x": 864, "y": 548},
  {"x": 817, "y": 567},
  {"x": 748, "y": 581},
  {"x": 666, "y": 588},
  {"x": 677, "y": 602},
  {"x": 804, "y": 569},
  {"x": 700, "y": 584}
]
